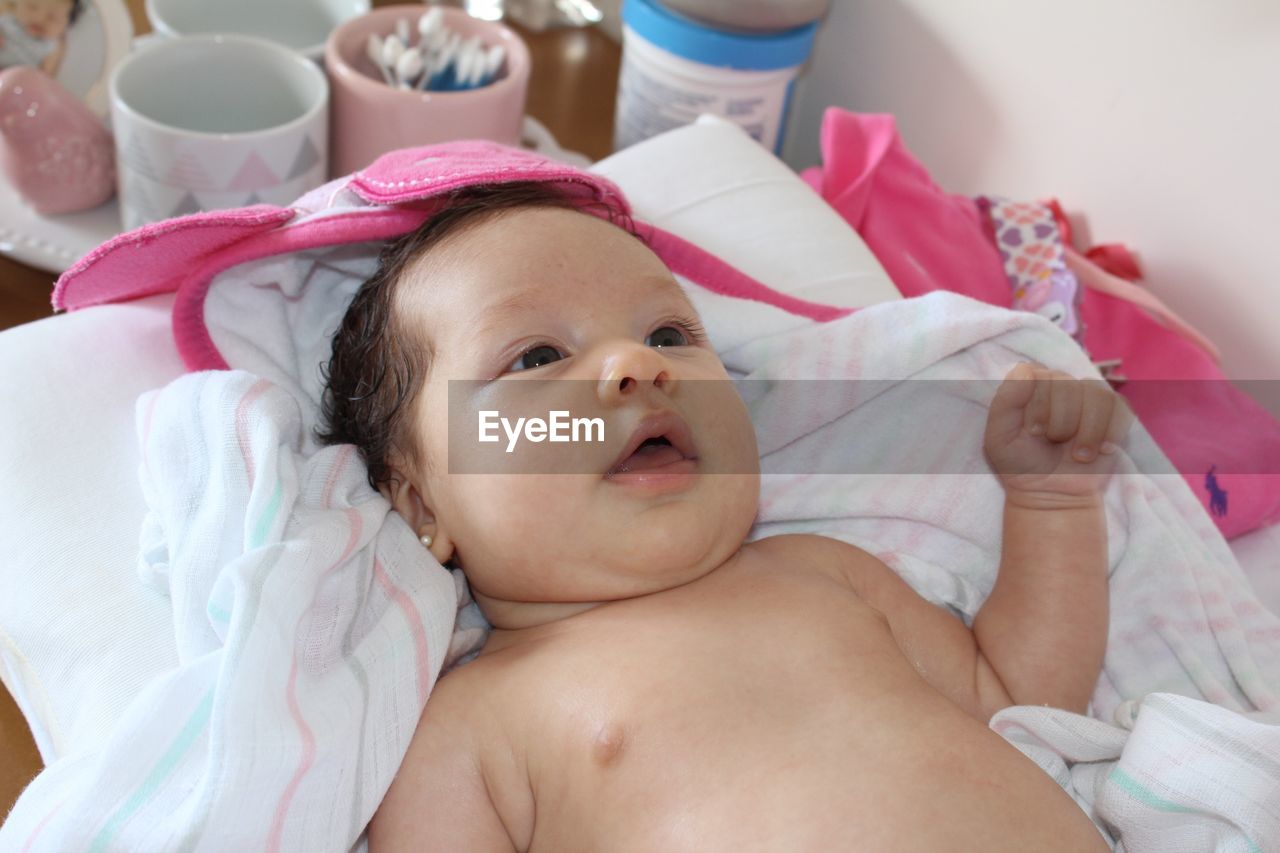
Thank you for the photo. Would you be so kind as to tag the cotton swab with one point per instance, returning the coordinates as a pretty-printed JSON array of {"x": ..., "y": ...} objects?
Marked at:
[
  {"x": 374, "y": 50},
  {"x": 462, "y": 66},
  {"x": 497, "y": 54},
  {"x": 408, "y": 67},
  {"x": 431, "y": 22},
  {"x": 392, "y": 48},
  {"x": 442, "y": 59},
  {"x": 441, "y": 62}
]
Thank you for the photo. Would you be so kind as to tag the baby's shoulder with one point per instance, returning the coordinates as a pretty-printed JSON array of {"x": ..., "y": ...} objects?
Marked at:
[
  {"x": 809, "y": 549},
  {"x": 822, "y": 557},
  {"x": 488, "y": 692},
  {"x": 488, "y": 675}
]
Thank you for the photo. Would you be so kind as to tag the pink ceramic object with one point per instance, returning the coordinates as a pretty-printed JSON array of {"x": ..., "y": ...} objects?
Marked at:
[
  {"x": 55, "y": 152},
  {"x": 368, "y": 118}
]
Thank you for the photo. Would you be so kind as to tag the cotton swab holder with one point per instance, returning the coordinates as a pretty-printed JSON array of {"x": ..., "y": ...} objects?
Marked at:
[{"x": 411, "y": 75}]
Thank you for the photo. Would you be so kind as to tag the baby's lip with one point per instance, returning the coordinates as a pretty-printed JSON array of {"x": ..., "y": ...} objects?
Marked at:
[{"x": 664, "y": 424}]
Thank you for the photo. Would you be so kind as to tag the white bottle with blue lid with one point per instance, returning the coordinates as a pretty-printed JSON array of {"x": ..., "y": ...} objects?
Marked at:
[{"x": 675, "y": 68}]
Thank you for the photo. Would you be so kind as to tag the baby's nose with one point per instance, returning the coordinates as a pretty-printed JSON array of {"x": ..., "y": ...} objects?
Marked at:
[{"x": 631, "y": 369}]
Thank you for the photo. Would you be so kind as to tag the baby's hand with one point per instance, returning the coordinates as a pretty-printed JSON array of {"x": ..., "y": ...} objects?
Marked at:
[{"x": 1051, "y": 438}]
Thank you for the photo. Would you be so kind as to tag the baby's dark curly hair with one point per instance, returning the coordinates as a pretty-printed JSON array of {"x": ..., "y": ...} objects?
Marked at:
[{"x": 377, "y": 363}]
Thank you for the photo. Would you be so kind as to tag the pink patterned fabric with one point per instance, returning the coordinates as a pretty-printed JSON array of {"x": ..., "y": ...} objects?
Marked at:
[
  {"x": 392, "y": 196},
  {"x": 1031, "y": 248}
]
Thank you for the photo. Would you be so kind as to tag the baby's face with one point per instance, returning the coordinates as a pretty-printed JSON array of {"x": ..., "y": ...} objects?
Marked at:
[
  {"x": 43, "y": 19},
  {"x": 554, "y": 305}
]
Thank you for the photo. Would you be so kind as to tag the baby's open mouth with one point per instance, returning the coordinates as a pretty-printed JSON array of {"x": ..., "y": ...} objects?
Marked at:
[
  {"x": 662, "y": 441},
  {"x": 654, "y": 453}
]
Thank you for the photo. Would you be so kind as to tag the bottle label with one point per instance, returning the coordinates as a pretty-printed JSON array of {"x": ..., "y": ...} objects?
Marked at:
[{"x": 652, "y": 101}]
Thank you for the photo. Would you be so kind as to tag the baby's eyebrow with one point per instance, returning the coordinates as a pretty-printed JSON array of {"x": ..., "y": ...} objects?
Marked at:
[
  {"x": 519, "y": 304},
  {"x": 670, "y": 286},
  {"x": 496, "y": 315},
  {"x": 665, "y": 287}
]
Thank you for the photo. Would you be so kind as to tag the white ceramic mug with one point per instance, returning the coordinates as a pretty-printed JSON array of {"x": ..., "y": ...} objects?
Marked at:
[
  {"x": 218, "y": 121},
  {"x": 299, "y": 24}
]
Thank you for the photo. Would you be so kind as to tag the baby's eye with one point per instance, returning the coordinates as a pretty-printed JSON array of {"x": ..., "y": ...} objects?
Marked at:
[
  {"x": 667, "y": 336},
  {"x": 536, "y": 357}
]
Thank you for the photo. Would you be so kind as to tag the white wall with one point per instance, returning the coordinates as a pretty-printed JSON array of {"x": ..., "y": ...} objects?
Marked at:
[{"x": 1157, "y": 119}]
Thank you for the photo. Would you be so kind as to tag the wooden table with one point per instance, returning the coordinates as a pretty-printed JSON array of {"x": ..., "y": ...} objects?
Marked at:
[{"x": 571, "y": 90}]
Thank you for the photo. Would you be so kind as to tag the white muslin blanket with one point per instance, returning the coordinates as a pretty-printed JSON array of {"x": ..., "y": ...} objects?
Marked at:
[
  {"x": 310, "y": 627},
  {"x": 311, "y": 624},
  {"x": 1189, "y": 777}
]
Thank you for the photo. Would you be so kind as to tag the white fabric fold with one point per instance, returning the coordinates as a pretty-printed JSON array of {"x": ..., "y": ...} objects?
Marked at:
[
  {"x": 310, "y": 626},
  {"x": 1190, "y": 777}
]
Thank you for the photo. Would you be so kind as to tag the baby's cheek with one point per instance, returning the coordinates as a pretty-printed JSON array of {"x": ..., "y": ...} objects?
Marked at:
[
  {"x": 512, "y": 512},
  {"x": 738, "y": 463},
  {"x": 733, "y": 436},
  {"x": 518, "y": 530}
]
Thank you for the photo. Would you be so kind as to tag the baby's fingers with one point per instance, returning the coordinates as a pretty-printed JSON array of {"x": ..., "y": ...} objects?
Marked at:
[
  {"x": 1118, "y": 429},
  {"x": 1066, "y": 399},
  {"x": 1035, "y": 417},
  {"x": 1004, "y": 418},
  {"x": 1096, "y": 410}
]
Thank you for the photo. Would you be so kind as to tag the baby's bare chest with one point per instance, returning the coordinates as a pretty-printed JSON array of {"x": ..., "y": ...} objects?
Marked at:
[
  {"x": 651, "y": 679},
  {"x": 668, "y": 723}
]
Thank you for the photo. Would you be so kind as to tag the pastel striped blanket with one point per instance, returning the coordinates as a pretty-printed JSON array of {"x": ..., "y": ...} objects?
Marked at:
[{"x": 310, "y": 627}]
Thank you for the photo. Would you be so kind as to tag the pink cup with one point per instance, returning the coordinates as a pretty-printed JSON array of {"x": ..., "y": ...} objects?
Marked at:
[{"x": 368, "y": 118}]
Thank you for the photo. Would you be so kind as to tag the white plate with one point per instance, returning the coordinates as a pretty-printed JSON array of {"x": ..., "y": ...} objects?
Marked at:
[{"x": 52, "y": 243}]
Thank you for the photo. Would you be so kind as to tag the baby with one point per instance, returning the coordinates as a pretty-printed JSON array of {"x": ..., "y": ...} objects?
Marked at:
[
  {"x": 33, "y": 32},
  {"x": 628, "y": 697}
]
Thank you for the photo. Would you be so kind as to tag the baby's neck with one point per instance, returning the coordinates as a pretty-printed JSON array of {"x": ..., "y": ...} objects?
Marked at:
[{"x": 519, "y": 615}]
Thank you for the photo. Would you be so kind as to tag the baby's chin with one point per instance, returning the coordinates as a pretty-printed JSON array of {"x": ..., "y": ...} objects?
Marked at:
[
  {"x": 644, "y": 563},
  {"x": 657, "y": 557},
  {"x": 611, "y": 545}
]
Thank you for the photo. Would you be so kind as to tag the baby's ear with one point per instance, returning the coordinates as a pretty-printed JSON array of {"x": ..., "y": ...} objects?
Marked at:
[{"x": 408, "y": 500}]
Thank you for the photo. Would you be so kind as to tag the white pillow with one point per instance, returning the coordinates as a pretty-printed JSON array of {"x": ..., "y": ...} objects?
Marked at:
[
  {"x": 713, "y": 185},
  {"x": 79, "y": 634}
]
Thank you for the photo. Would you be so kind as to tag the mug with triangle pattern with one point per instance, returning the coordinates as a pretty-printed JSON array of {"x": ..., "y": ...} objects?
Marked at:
[{"x": 216, "y": 121}]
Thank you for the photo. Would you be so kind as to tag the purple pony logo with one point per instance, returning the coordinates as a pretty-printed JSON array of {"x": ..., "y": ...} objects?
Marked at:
[{"x": 1217, "y": 494}]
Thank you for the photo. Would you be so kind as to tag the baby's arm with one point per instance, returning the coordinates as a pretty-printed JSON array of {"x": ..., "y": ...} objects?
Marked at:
[
  {"x": 439, "y": 799},
  {"x": 1043, "y": 629},
  {"x": 1051, "y": 440},
  {"x": 1040, "y": 636}
]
